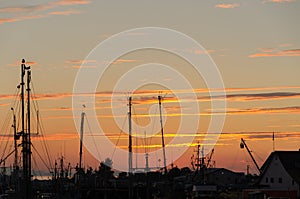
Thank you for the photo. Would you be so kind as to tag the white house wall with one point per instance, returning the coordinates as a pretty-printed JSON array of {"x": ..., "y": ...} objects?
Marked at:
[{"x": 277, "y": 171}]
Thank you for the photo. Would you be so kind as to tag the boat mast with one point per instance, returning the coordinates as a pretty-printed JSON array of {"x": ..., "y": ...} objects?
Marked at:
[
  {"x": 28, "y": 133},
  {"x": 130, "y": 194},
  {"x": 162, "y": 134},
  {"x": 81, "y": 138},
  {"x": 130, "y": 138},
  {"x": 198, "y": 157},
  {"x": 26, "y": 142}
]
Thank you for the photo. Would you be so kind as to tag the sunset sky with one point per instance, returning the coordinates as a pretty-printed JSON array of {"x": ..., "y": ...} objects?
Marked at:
[{"x": 254, "y": 44}]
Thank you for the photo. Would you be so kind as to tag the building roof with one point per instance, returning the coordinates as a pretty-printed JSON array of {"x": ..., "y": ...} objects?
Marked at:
[{"x": 290, "y": 161}]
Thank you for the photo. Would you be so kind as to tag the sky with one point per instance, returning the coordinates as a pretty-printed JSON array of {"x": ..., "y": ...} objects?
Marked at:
[{"x": 254, "y": 44}]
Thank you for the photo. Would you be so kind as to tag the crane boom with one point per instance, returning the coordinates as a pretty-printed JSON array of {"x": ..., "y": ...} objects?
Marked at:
[{"x": 243, "y": 143}]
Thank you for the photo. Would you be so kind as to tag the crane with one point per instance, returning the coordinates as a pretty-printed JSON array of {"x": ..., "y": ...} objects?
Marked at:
[{"x": 243, "y": 145}]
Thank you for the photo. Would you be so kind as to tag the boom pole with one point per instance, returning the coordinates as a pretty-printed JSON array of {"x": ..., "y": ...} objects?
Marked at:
[{"x": 243, "y": 143}]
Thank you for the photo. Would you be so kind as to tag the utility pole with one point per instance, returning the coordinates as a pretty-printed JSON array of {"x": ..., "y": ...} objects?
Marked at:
[{"x": 162, "y": 134}]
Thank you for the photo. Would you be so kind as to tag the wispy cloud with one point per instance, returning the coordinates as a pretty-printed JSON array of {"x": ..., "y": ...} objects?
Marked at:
[
  {"x": 26, "y": 9},
  {"x": 276, "y": 53},
  {"x": 148, "y": 96},
  {"x": 92, "y": 63},
  {"x": 8, "y": 20},
  {"x": 27, "y": 12},
  {"x": 289, "y": 110},
  {"x": 120, "y": 61},
  {"x": 278, "y": 1},
  {"x": 29, "y": 63},
  {"x": 262, "y": 96},
  {"x": 200, "y": 52},
  {"x": 70, "y": 2},
  {"x": 78, "y": 63},
  {"x": 66, "y": 12},
  {"x": 57, "y": 137},
  {"x": 227, "y": 6}
]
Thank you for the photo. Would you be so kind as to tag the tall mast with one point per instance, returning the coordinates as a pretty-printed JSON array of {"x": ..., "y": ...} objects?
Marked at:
[
  {"x": 198, "y": 157},
  {"x": 28, "y": 177},
  {"x": 162, "y": 134},
  {"x": 23, "y": 119},
  {"x": 26, "y": 136},
  {"x": 130, "y": 138},
  {"x": 81, "y": 138},
  {"x": 130, "y": 194}
]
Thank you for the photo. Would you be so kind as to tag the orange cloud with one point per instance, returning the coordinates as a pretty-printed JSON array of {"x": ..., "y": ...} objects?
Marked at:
[
  {"x": 286, "y": 110},
  {"x": 87, "y": 63},
  {"x": 29, "y": 63},
  {"x": 284, "y": 53},
  {"x": 51, "y": 96},
  {"x": 226, "y": 6},
  {"x": 66, "y": 12},
  {"x": 200, "y": 52},
  {"x": 278, "y": 1},
  {"x": 21, "y": 18},
  {"x": 38, "y": 8},
  {"x": 71, "y": 2},
  {"x": 120, "y": 61},
  {"x": 268, "y": 52},
  {"x": 80, "y": 61},
  {"x": 8, "y": 20},
  {"x": 26, "y": 8},
  {"x": 56, "y": 137}
]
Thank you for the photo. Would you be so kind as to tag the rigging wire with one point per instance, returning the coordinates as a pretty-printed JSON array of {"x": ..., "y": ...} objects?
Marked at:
[
  {"x": 5, "y": 136},
  {"x": 45, "y": 146},
  {"x": 37, "y": 166},
  {"x": 150, "y": 141},
  {"x": 89, "y": 127},
  {"x": 120, "y": 133},
  {"x": 39, "y": 155},
  {"x": 137, "y": 131}
]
